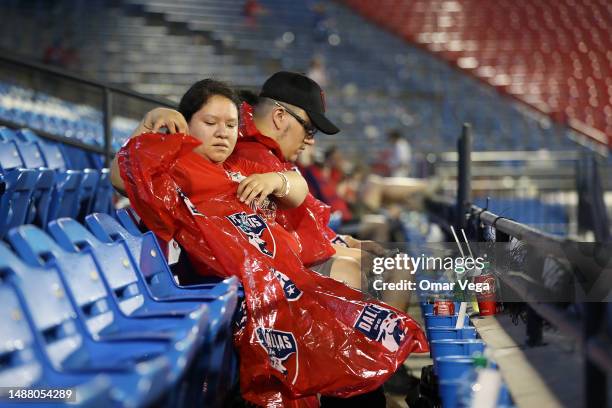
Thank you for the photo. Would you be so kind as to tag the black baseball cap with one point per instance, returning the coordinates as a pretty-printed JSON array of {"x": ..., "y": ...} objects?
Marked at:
[{"x": 301, "y": 91}]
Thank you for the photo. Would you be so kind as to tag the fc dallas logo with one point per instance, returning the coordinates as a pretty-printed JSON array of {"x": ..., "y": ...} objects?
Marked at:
[{"x": 255, "y": 229}]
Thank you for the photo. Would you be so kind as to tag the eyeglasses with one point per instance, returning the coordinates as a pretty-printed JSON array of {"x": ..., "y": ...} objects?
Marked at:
[{"x": 309, "y": 128}]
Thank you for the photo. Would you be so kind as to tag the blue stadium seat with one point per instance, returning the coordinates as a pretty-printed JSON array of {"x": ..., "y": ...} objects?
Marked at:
[
  {"x": 24, "y": 365},
  {"x": 32, "y": 158},
  {"x": 6, "y": 134},
  {"x": 53, "y": 155},
  {"x": 96, "y": 160},
  {"x": 129, "y": 220},
  {"x": 94, "y": 305},
  {"x": 87, "y": 192},
  {"x": 103, "y": 200},
  {"x": 41, "y": 198},
  {"x": 27, "y": 135},
  {"x": 30, "y": 154},
  {"x": 65, "y": 196},
  {"x": 19, "y": 185},
  {"x": 144, "y": 248},
  {"x": 67, "y": 349},
  {"x": 76, "y": 158},
  {"x": 117, "y": 266}
]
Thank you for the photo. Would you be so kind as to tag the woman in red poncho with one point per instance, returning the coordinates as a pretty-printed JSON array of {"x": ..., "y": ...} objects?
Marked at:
[{"x": 303, "y": 334}]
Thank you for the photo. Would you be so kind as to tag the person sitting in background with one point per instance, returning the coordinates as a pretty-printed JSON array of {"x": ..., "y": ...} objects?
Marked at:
[
  {"x": 401, "y": 155},
  {"x": 324, "y": 179}
]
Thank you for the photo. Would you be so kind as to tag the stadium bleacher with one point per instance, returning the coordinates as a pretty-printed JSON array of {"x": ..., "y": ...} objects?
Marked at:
[
  {"x": 99, "y": 320},
  {"x": 38, "y": 186},
  {"x": 399, "y": 85},
  {"x": 89, "y": 300},
  {"x": 551, "y": 55}
]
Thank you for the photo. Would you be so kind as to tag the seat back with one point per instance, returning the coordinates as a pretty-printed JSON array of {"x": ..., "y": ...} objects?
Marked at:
[
  {"x": 19, "y": 366},
  {"x": 41, "y": 198},
  {"x": 27, "y": 135},
  {"x": 87, "y": 192},
  {"x": 9, "y": 156},
  {"x": 103, "y": 200},
  {"x": 113, "y": 260},
  {"x": 15, "y": 201},
  {"x": 30, "y": 154},
  {"x": 144, "y": 249},
  {"x": 96, "y": 160},
  {"x": 76, "y": 158},
  {"x": 65, "y": 196},
  {"x": 52, "y": 155},
  {"x": 6, "y": 134},
  {"x": 50, "y": 309},
  {"x": 78, "y": 270},
  {"x": 129, "y": 220}
]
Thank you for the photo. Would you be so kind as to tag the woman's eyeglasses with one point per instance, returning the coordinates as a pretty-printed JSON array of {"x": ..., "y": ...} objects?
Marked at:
[{"x": 309, "y": 128}]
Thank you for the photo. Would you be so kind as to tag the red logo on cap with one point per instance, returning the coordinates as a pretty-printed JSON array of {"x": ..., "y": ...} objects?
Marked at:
[{"x": 323, "y": 100}]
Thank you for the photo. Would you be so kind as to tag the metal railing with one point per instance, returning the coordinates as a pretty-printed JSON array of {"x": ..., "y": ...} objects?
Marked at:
[{"x": 597, "y": 347}]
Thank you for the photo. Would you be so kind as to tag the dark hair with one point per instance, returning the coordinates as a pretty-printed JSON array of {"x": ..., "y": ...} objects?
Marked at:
[
  {"x": 330, "y": 151},
  {"x": 249, "y": 97},
  {"x": 394, "y": 135},
  {"x": 200, "y": 92}
]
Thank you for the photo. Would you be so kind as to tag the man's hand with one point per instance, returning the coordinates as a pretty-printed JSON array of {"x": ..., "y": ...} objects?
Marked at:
[
  {"x": 159, "y": 118},
  {"x": 258, "y": 187},
  {"x": 368, "y": 246}
]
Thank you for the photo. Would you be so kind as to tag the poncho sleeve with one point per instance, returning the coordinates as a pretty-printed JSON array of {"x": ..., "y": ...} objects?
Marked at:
[{"x": 144, "y": 164}]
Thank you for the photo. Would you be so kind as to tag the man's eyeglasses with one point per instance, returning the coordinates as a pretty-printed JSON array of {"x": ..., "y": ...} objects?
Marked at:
[{"x": 309, "y": 128}]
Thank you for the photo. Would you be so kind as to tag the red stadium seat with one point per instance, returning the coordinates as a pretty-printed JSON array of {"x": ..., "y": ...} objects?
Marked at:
[{"x": 529, "y": 49}]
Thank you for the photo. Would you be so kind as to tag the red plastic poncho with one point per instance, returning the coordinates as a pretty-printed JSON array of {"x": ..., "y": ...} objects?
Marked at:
[
  {"x": 308, "y": 222},
  {"x": 302, "y": 333}
]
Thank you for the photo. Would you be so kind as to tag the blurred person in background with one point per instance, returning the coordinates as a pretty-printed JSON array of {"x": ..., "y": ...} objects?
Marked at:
[
  {"x": 324, "y": 178},
  {"x": 317, "y": 71},
  {"x": 400, "y": 155},
  {"x": 62, "y": 53},
  {"x": 251, "y": 10}
]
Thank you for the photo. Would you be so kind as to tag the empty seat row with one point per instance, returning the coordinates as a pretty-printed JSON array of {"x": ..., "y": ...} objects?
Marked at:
[
  {"x": 39, "y": 188},
  {"x": 97, "y": 310},
  {"x": 40, "y": 152},
  {"x": 41, "y": 111}
]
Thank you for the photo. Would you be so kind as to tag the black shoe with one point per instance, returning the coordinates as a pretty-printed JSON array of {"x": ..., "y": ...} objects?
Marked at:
[
  {"x": 372, "y": 399},
  {"x": 401, "y": 382}
]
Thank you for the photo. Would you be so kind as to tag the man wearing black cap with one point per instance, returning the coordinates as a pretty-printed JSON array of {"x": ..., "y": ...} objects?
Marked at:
[
  {"x": 283, "y": 120},
  {"x": 288, "y": 113}
]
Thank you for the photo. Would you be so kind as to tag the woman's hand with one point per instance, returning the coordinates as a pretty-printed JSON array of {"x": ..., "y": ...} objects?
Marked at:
[
  {"x": 164, "y": 117},
  {"x": 259, "y": 186}
]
